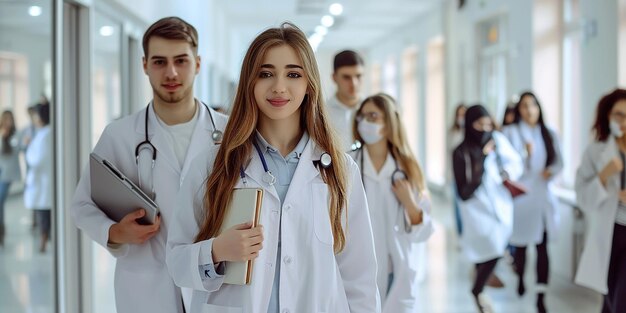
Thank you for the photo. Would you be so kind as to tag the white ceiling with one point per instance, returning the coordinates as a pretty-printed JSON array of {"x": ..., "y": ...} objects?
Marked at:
[
  {"x": 361, "y": 24},
  {"x": 14, "y": 15}
]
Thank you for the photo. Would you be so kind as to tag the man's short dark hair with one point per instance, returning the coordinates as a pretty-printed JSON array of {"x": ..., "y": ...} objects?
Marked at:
[
  {"x": 347, "y": 58},
  {"x": 171, "y": 28}
]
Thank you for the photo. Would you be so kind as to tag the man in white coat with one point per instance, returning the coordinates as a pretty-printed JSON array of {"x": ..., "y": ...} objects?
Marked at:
[
  {"x": 153, "y": 148},
  {"x": 347, "y": 75}
]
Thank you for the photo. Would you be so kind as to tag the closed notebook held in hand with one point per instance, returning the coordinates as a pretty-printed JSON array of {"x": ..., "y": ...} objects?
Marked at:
[
  {"x": 117, "y": 195},
  {"x": 245, "y": 206}
]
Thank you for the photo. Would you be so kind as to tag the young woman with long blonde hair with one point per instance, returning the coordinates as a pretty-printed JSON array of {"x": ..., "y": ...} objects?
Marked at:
[
  {"x": 313, "y": 250},
  {"x": 397, "y": 198}
]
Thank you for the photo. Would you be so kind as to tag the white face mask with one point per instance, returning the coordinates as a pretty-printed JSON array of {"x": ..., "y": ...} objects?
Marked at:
[
  {"x": 615, "y": 129},
  {"x": 370, "y": 132}
]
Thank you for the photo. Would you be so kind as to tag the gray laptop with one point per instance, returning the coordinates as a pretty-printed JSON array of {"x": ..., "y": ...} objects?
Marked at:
[{"x": 117, "y": 195}]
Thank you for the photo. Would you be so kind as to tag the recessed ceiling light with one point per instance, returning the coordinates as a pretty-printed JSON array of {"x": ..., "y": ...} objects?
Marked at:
[
  {"x": 321, "y": 30},
  {"x": 34, "y": 10},
  {"x": 106, "y": 31},
  {"x": 327, "y": 21},
  {"x": 336, "y": 9}
]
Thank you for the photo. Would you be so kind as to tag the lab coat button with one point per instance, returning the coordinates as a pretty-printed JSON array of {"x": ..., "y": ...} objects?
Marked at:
[
  {"x": 286, "y": 311},
  {"x": 287, "y": 260},
  {"x": 287, "y": 207}
]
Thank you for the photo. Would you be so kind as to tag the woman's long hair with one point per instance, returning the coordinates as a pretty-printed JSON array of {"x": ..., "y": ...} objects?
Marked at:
[
  {"x": 235, "y": 151},
  {"x": 7, "y": 116},
  {"x": 396, "y": 139},
  {"x": 545, "y": 133}
]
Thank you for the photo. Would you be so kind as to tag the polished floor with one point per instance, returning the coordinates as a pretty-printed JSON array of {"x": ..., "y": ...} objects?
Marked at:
[{"x": 26, "y": 275}]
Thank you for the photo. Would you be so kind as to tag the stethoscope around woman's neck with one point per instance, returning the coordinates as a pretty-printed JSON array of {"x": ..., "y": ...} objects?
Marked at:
[
  {"x": 216, "y": 135},
  {"x": 397, "y": 174},
  {"x": 268, "y": 177}
]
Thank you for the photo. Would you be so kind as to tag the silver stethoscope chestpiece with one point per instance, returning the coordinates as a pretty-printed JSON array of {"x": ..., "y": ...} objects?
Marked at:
[
  {"x": 217, "y": 136},
  {"x": 269, "y": 178},
  {"x": 325, "y": 160}
]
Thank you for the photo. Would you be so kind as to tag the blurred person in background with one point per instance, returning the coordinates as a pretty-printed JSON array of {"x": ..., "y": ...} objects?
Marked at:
[
  {"x": 535, "y": 218},
  {"x": 601, "y": 194},
  {"x": 481, "y": 163},
  {"x": 9, "y": 163},
  {"x": 397, "y": 198},
  {"x": 38, "y": 191},
  {"x": 348, "y": 69}
]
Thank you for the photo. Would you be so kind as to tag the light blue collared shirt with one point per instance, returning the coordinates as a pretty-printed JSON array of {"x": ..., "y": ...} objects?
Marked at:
[{"x": 283, "y": 169}]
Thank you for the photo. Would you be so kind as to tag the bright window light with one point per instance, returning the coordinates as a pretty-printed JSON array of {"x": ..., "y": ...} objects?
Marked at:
[
  {"x": 327, "y": 21},
  {"x": 106, "y": 31},
  {"x": 336, "y": 9},
  {"x": 34, "y": 10}
]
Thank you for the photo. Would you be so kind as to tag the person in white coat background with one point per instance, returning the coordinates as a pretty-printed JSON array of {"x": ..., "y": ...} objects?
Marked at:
[
  {"x": 9, "y": 163},
  {"x": 397, "y": 198},
  {"x": 154, "y": 148},
  {"x": 313, "y": 249},
  {"x": 601, "y": 194},
  {"x": 535, "y": 218},
  {"x": 38, "y": 189},
  {"x": 480, "y": 163},
  {"x": 348, "y": 69}
]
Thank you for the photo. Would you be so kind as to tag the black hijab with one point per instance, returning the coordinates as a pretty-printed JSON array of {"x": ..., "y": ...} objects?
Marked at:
[{"x": 476, "y": 138}]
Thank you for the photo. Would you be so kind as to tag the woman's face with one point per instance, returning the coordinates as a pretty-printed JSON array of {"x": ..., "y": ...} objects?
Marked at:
[
  {"x": 281, "y": 84},
  {"x": 371, "y": 113},
  {"x": 460, "y": 113},
  {"x": 529, "y": 110},
  {"x": 618, "y": 114},
  {"x": 483, "y": 124}
]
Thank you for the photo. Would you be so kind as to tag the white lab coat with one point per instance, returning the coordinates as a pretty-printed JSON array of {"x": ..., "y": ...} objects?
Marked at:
[
  {"x": 142, "y": 283},
  {"x": 600, "y": 204},
  {"x": 313, "y": 278},
  {"x": 397, "y": 251},
  {"x": 10, "y": 163},
  {"x": 38, "y": 190},
  {"x": 536, "y": 211},
  {"x": 342, "y": 118},
  {"x": 488, "y": 215}
]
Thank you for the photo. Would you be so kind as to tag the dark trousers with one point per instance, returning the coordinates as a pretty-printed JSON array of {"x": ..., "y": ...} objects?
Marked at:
[
  {"x": 483, "y": 271},
  {"x": 543, "y": 262},
  {"x": 615, "y": 301},
  {"x": 43, "y": 218}
]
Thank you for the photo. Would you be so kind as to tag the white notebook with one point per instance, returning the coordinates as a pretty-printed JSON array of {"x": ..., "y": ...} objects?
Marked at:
[{"x": 245, "y": 206}]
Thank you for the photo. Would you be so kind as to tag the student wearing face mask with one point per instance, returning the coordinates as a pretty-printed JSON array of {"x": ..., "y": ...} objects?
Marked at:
[
  {"x": 481, "y": 162},
  {"x": 601, "y": 194},
  {"x": 397, "y": 199},
  {"x": 535, "y": 215}
]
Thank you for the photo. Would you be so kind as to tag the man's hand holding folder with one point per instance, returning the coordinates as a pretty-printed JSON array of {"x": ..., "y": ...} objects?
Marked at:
[{"x": 129, "y": 231}]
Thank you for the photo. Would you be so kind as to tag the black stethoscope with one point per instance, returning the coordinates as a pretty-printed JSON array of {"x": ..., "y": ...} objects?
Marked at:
[
  {"x": 396, "y": 175},
  {"x": 269, "y": 178},
  {"x": 216, "y": 135}
]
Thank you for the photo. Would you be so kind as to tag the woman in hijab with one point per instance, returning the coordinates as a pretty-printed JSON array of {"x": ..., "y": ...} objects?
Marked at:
[{"x": 481, "y": 163}]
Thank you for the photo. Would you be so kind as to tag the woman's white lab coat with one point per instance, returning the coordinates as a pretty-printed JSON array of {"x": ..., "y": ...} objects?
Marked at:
[
  {"x": 599, "y": 203},
  {"x": 38, "y": 190},
  {"x": 488, "y": 214},
  {"x": 312, "y": 277},
  {"x": 142, "y": 283},
  {"x": 536, "y": 211},
  {"x": 397, "y": 251}
]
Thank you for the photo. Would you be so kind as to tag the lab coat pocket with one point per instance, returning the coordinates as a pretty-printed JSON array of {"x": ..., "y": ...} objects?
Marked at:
[
  {"x": 321, "y": 219},
  {"x": 211, "y": 308}
]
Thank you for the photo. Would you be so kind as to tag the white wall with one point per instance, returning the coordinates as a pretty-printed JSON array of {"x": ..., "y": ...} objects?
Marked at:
[
  {"x": 37, "y": 49},
  {"x": 599, "y": 56},
  {"x": 463, "y": 59}
]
